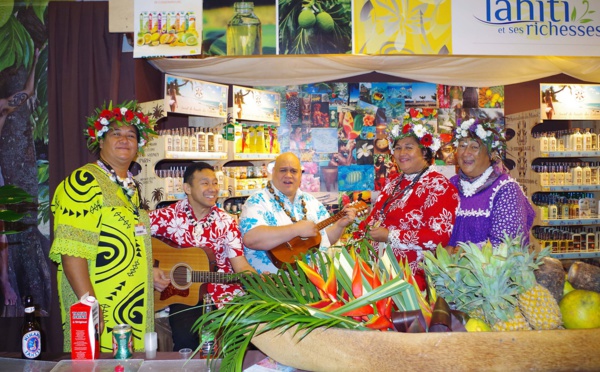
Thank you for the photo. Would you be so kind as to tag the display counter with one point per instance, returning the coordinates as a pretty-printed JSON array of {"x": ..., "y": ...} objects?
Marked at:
[{"x": 164, "y": 361}]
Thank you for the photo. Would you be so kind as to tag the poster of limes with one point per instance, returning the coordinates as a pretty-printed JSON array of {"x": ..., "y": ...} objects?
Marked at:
[{"x": 165, "y": 30}]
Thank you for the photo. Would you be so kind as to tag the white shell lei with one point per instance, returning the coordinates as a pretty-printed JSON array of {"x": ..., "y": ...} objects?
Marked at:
[{"x": 469, "y": 189}]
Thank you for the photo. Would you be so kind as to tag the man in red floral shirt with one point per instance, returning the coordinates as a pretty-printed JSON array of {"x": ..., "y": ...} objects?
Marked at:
[{"x": 196, "y": 221}]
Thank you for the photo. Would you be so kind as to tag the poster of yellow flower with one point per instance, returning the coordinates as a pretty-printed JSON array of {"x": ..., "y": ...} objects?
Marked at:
[{"x": 402, "y": 27}]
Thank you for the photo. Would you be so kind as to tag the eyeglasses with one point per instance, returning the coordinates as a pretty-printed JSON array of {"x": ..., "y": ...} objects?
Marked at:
[{"x": 473, "y": 147}]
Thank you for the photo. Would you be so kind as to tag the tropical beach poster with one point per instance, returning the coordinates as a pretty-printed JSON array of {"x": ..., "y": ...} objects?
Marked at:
[{"x": 570, "y": 101}]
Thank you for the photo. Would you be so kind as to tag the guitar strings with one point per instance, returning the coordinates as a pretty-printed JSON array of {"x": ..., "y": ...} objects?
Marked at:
[{"x": 183, "y": 276}]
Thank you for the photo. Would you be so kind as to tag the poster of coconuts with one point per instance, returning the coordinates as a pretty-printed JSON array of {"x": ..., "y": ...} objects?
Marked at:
[
  {"x": 167, "y": 28},
  {"x": 315, "y": 26}
]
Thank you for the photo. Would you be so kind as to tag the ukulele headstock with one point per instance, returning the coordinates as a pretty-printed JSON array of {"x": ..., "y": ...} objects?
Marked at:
[{"x": 360, "y": 206}]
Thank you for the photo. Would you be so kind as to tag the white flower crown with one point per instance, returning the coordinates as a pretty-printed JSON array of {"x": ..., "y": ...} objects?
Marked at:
[{"x": 491, "y": 134}]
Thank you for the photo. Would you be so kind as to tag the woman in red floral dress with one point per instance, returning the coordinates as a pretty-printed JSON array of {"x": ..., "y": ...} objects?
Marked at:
[{"x": 416, "y": 210}]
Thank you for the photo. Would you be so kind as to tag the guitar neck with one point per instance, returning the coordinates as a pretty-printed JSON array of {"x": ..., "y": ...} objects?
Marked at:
[{"x": 212, "y": 277}]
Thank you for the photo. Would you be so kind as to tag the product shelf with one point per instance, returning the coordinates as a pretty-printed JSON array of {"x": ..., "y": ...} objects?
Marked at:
[
  {"x": 525, "y": 153},
  {"x": 189, "y": 155},
  {"x": 253, "y": 156},
  {"x": 536, "y": 152},
  {"x": 568, "y": 222},
  {"x": 244, "y": 187},
  {"x": 575, "y": 255}
]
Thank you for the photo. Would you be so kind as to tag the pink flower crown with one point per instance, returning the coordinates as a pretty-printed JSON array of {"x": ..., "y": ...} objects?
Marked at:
[{"x": 128, "y": 113}]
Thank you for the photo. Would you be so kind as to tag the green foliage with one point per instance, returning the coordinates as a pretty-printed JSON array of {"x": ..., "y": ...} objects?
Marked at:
[
  {"x": 281, "y": 301},
  {"x": 39, "y": 7},
  {"x": 6, "y": 9},
  {"x": 39, "y": 119},
  {"x": 16, "y": 45},
  {"x": 43, "y": 171},
  {"x": 43, "y": 204},
  {"x": 487, "y": 278},
  {"x": 43, "y": 191},
  {"x": 10, "y": 194}
]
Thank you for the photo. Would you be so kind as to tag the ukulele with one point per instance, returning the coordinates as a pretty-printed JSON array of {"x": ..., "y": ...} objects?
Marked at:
[
  {"x": 288, "y": 251},
  {"x": 189, "y": 269}
]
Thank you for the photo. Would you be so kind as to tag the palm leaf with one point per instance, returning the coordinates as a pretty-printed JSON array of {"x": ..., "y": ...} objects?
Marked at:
[{"x": 280, "y": 302}]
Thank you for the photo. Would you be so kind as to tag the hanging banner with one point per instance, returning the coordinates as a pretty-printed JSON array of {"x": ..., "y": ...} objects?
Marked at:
[
  {"x": 518, "y": 27},
  {"x": 195, "y": 97},
  {"x": 570, "y": 102},
  {"x": 166, "y": 28}
]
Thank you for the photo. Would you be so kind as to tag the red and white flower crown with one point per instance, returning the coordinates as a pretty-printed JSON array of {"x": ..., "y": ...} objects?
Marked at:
[
  {"x": 128, "y": 113},
  {"x": 424, "y": 133}
]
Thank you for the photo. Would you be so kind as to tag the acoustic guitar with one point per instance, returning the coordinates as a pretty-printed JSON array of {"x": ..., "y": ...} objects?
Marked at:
[
  {"x": 297, "y": 247},
  {"x": 189, "y": 269}
]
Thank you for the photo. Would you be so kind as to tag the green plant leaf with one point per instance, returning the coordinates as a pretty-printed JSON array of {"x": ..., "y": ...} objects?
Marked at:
[
  {"x": 20, "y": 45},
  {"x": 6, "y": 10},
  {"x": 10, "y": 216},
  {"x": 11, "y": 194},
  {"x": 39, "y": 7}
]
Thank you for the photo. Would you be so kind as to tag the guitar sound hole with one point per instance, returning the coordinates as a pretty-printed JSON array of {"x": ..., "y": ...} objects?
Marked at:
[{"x": 180, "y": 277}]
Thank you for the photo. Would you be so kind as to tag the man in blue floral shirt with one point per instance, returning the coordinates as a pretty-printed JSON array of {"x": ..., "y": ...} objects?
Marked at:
[{"x": 281, "y": 212}]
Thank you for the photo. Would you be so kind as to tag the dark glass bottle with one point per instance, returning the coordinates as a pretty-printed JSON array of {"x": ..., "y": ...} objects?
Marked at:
[
  {"x": 31, "y": 339},
  {"x": 207, "y": 338}
]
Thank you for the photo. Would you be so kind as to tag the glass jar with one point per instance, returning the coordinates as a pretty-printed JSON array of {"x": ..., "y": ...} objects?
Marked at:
[{"x": 244, "y": 34}]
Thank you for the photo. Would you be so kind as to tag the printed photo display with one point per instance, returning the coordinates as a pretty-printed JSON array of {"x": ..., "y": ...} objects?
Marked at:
[{"x": 340, "y": 130}]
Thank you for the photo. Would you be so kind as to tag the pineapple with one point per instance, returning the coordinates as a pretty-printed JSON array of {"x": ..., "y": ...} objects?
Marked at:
[
  {"x": 540, "y": 308},
  {"x": 516, "y": 322},
  {"x": 537, "y": 303},
  {"x": 445, "y": 275},
  {"x": 495, "y": 284},
  {"x": 474, "y": 281}
]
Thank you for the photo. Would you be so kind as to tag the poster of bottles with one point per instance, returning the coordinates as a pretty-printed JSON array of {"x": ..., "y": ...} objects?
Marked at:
[
  {"x": 237, "y": 28},
  {"x": 167, "y": 28},
  {"x": 570, "y": 101},
  {"x": 254, "y": 104},
  {"x": 195, "y": 97}
]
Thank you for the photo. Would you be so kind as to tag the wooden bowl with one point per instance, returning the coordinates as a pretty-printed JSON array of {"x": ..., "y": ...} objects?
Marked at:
[{"x": 337, "y": 349}]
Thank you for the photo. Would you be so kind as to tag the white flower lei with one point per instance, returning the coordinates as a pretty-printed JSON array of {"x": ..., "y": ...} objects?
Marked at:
[{"x": 469, "y": 189}]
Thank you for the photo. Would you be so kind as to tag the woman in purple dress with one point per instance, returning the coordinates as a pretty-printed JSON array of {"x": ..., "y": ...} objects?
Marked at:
[{"x": 492, "y": 203}]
